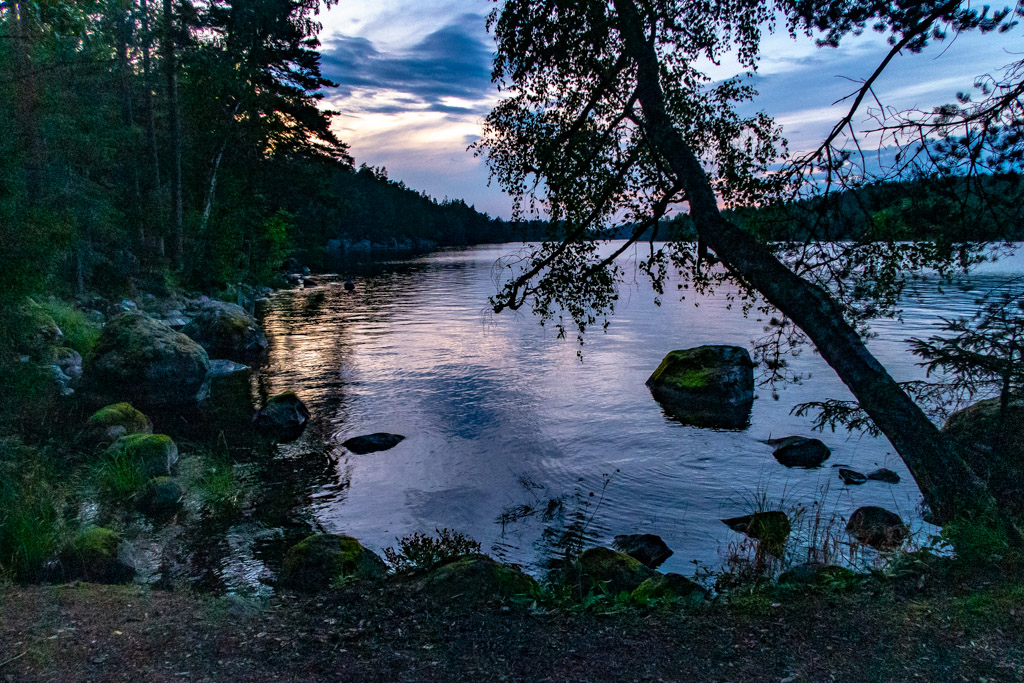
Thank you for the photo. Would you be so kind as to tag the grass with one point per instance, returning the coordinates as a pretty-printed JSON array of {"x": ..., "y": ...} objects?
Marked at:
[
  {"x": 31, "y": 511},
  {"x": 79, "y": 334},
  {"x": 120, "y": 475}
]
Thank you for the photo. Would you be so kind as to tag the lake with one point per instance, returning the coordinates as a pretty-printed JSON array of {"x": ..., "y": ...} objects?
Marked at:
[{"x": 509, "y": 431}]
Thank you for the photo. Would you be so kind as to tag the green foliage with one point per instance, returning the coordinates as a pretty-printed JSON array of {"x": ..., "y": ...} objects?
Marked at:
[
  {"x": 977, "y": 541},
  {"x": 31, "y": 511},
  {"x": 120, "y": 475},
  {"x": 79, "y": 334},
  {"x": 420, "y": 552},
  {"x": 223, "y": 490}
]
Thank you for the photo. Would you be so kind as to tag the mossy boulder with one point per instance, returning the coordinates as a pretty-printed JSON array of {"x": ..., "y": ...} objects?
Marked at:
[
  {"x": 651, "y": 550},
  {"x": 476, "y": 577},
  {"x": 706, "y": 386},
  {"x": 161, "y": 497},
  {"x": 92, "y": 556},
  {"x": 37, "y": 333},
  {"x": 669, "y": 587},
  {"x": 117, "y": 420},
  {"x": 603, "y": 569},
  {"x": 816, "y": 574},
  {"x": 800, "y": 451},
  {"x": 996, "y": 454},
  {"x": 877, "y": 527},
  {"x": 156, "y": 454},
  {"x": 321, "y": 560},
  {"x": 148, "y": 362},
  {"x": 227, "y": 331},
  {"x": 283, "y": 418}
]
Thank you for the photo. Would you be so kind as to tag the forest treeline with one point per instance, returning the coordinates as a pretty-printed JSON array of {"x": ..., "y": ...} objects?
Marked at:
[{"x": 156, "y": 142}]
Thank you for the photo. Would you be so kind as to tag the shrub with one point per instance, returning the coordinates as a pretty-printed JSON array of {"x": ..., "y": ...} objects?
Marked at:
[
  {"x": 420, "y": 552},
  {"x": 79, "y": 334}
]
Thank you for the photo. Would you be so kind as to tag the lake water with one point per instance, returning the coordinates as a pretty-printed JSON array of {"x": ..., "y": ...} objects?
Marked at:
[{"x": 508, "y": 431}]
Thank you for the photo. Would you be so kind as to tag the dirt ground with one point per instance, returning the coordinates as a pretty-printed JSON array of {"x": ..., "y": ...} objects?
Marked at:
[{"x": 393, "y": 632}]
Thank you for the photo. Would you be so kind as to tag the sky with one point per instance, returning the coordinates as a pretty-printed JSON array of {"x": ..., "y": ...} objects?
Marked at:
[{"x": 414, "y": 86}]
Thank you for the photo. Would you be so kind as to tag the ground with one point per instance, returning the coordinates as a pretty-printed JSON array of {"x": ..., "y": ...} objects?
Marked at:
[{"x": 890, "y": 631}]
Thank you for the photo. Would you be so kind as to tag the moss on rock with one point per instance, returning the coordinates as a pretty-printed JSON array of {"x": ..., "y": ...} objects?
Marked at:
[
  {"x": 320, "y": 560},
  {"x": 707, "y": 386},
  {"x": 92, "y": 556},
  {"x": 668, "y": 587},
  {"x": 161, "y": 497},
  {"x": 477, "y": 577},
  {"x": 603, "y": 569},
  {"x": 227, "y": 331},
  {"x": 123, "y": 415}
]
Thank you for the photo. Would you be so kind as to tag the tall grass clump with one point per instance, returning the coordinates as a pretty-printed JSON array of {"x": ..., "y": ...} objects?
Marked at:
[
  {"x": 79, "y": 334},
  {"x": 31, "y": 511},
  {"x": 119, "y": 475}
]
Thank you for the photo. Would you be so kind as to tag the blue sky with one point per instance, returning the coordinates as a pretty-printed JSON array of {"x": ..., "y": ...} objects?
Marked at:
[{"x": 414, "y": 86}]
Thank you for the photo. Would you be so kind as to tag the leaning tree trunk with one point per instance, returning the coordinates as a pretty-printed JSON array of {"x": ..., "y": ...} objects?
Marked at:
[{"x": 949, "y": 486}]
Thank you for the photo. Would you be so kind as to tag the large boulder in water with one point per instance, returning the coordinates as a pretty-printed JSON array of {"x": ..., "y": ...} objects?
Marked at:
[
  {"x": 603, "y": 569},
  {"x": 283, "y": 418},
  {"x": 707, "y": 386},
  {"x": 148, "y": 362},
  {"x": 799, "y": 451},
  {"x": 227, "y": 331},
  {"x": 877, "y": 527},
  {"x": 320, "y": 560},
  {"x": 995, "y": 452},
  {"x": 371, "y": 443},
  {"x": 651, "y": 550}
]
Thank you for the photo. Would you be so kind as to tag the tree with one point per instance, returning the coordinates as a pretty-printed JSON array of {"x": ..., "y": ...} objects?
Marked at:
[{"x": 608, "y": 118}]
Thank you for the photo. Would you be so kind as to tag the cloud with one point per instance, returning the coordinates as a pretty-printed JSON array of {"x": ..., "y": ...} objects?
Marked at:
[{"x": 451, "y": 62}]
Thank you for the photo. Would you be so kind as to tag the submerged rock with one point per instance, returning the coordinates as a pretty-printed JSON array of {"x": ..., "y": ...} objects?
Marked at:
[
  {"x": 148, "y": 362},
  {"x": 877, "y": 527},
  {"x": 706, "y": 386},
  {"x": 886, "y": 475},
  {"x": 117, "y": 420},
  {"x": 799, "y": 451},
  {"x": 227, "y": 331},
  {"x": 283, "y": 418},
  {"x": 647, "y": 548},
  {"x": 476, "y": 577},
  {"x": 371, "y": 443},
  {"x": 851, "y": 477},
  {"x": 320, "y": 560},
  {"x": 92, "y": 556},
  {"x": 603, "y": 569},
  {"x": 156, "y": 454},
  {"x": 161, "y": 497},
  {"x": 669, "y": 586}
]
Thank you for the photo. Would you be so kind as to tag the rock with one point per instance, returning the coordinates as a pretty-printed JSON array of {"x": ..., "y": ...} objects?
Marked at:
[
  {"x": 320, "y": 560},
  {"x": 799, "y": 451},
  {"x": 161, "y": 498},
  {"x": 816, "y": 574},
  {"x": 148, "y": 362},
  {"x": 707, "y": 386},
  {"x": 886, "y": 475},
  {"x": 669, "y": 586},
  {"x": 92, "y": 556},
  {"x": 227, "y": 331},
  {"x": 371, "y": 443},
  {"x": 852, "y": 477},
  {"x": 220, "y": 369},
  {"x": 283, "y": 417},
  {"x": 157, "y": 454},
  {"x": 771, "y": 527},
  {"x": 476, "y": 577},
  {"x": 69, "y": 361},
  {"x": 603, "y": 569},
  {"x": 648, "y": 548},
  {"x": 117, "y": 420},
  {"x": 37, "y": 332},
  {"x": 997, "y": 458},
  {"x": 877, "y": 527},
  {"x": 349, "y": 286}
]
